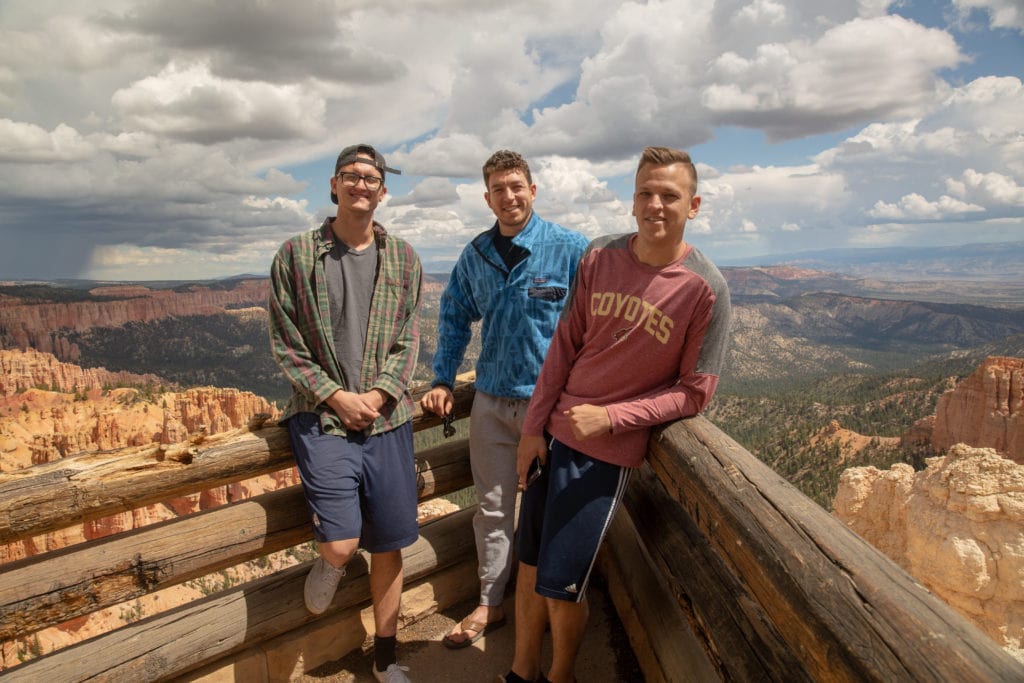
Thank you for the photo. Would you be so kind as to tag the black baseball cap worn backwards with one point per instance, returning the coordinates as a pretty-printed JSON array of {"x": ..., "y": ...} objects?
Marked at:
[{"x": 351, "y": 154}]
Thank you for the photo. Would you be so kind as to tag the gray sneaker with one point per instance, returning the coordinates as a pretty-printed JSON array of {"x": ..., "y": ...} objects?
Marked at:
[
  {"x": 393, "y": 674},
  {"x": 321, "y": 582}
]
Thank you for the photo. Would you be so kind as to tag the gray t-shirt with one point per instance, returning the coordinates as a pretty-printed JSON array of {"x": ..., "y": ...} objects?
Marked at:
[{"x": 350, "y": 276}]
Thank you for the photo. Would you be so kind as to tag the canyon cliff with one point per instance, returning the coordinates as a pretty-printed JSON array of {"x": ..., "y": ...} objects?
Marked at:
[
  {"x": 26, "y": 324},
  {"x": 80, "y": 412},
  {"x": 985, "y": 410}
]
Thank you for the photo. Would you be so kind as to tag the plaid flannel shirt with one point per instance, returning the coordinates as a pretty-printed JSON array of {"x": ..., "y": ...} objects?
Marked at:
[{"x": 300, "y": 327}]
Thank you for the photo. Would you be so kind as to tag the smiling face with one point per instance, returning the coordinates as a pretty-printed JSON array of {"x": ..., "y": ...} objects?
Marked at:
[
  {"x": 510, "y": 196},
  {"x": 358, "y": 198},
  {"x": 663, "y": 201}
]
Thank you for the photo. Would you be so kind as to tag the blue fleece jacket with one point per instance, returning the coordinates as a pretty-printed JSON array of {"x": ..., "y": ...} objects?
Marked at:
[{"x": 519, "y": 309}]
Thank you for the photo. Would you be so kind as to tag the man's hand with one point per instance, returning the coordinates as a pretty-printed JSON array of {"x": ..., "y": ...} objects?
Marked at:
[
  {"x": 357, "y": 411},
  {"x": 439, "y": 400},
  {"x": 588, "y": 420},
  {"x": 376, "y": 399},
  {"x": 530, "y": 447}
]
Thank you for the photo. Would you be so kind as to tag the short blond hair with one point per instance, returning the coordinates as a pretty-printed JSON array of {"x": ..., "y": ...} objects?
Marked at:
[{"x": 666, "y": 156}]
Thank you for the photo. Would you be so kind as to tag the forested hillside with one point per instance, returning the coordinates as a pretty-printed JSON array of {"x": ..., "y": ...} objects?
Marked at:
[{"x": 778, "y": 425}]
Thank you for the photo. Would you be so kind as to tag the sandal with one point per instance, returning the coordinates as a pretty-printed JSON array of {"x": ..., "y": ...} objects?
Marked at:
[{"x": 468, "y": 624}]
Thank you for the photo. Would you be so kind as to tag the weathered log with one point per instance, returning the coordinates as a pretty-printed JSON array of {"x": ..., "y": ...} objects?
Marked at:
[
  {"x": 739, "y": 638},
  {"x": 181, "y": 639},
  {"x": 665, "y": 645},
  {"x": 74, "y": 490},
  {"x": 845, "y": 611},
  {"x": 50, "y": 589}
]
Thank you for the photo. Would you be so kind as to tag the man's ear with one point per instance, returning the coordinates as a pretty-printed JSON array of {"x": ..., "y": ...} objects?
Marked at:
[{"x": 694, "y": 205}]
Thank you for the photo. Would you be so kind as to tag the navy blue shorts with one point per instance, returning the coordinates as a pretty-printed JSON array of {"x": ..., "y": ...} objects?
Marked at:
[
  {"x": 358, "y": 486},
  {"x": 564, "y": 515}
]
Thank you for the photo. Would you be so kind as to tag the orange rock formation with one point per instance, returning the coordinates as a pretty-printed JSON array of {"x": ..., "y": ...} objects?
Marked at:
[
  {"x": 38, "y": 426},
  {"x": 850, "y": 443},
  {"x": 957, "y": 526},
  {"x": 985, "y": 410},
  {"x": 29, "y": 369}
]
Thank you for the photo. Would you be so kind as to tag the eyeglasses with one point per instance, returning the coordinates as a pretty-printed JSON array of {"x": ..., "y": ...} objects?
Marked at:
[{"x": 352, "y": 179}]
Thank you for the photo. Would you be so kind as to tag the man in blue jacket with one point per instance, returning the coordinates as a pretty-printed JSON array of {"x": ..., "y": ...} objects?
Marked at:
[{"x": 514, "y": 278}]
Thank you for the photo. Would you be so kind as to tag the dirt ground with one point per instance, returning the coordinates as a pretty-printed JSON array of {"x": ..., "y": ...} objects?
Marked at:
[{"x": 605, "y": 656}]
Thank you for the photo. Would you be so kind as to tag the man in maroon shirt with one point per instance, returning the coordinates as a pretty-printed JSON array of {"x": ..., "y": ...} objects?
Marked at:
[{"x": 646, "y": 295}]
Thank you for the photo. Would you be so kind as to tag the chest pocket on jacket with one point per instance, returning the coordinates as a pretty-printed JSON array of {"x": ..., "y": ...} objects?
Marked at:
[{"x": 547, "y": 293}]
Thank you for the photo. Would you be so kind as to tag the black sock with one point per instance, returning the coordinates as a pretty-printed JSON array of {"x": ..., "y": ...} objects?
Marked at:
[
  {"x": 513, "y": 677},
  {"x": 384, "y": 651}
]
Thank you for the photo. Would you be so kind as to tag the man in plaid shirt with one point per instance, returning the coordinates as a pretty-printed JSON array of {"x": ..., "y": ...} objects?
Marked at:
[{"x": 344, "y": 327}]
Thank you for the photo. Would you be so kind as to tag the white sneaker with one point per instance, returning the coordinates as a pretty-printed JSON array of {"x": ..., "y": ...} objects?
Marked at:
[
  {"x": 321, "y": 583},
  {"x": 393, "y": 674}
]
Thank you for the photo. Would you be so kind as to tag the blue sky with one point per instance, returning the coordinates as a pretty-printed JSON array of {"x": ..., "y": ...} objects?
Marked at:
[{"x": 184, "y": 139}]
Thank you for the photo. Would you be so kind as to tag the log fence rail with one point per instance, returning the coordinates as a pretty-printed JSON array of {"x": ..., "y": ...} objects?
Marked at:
[{"x": 718, "y": 568}]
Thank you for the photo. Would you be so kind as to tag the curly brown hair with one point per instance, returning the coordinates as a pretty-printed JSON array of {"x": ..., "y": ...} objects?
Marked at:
[{"x": 506, "y": 160}]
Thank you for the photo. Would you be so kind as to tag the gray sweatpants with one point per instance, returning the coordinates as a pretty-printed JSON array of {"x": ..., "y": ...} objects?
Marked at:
[{"x": 494, "y": 430}]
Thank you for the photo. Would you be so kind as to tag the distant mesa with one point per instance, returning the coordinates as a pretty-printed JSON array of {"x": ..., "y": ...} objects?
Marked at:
[
  {"x": 43, "y": 326},
  {"x": 992, "y": 261}
]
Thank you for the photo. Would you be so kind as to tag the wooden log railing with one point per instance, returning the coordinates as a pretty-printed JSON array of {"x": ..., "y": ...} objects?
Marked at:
[
  {"x": 719, "y": 569},
  {"x": 769, "y": 586},
  {"x": 51, "y": 588}
]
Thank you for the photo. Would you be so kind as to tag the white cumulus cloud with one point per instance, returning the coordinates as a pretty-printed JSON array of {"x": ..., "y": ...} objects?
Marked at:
[
  {"x": 190, "y": 103},
  {"x": 915, "y": 207},
  {"x": 1001, "y": 13},
  {"x": 206, "y": 130}
]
